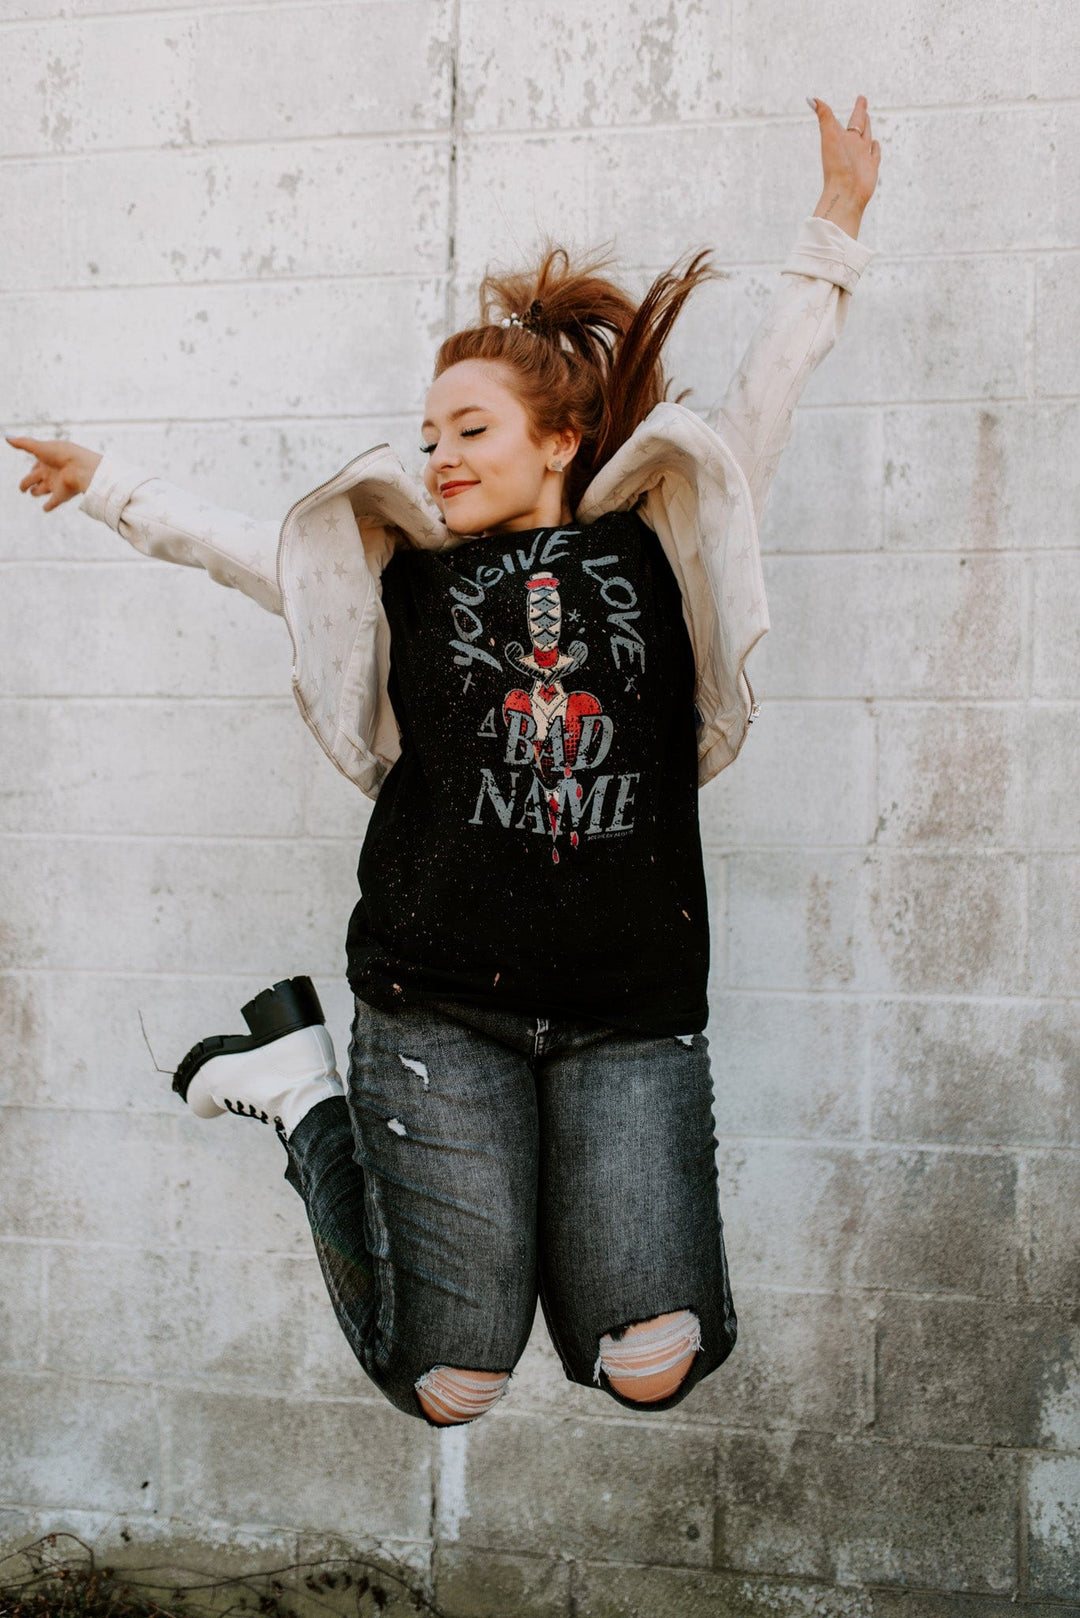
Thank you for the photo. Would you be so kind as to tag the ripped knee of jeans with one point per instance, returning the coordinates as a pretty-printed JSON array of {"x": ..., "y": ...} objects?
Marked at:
[
  {"x": 649, "y": 1361},
  {"x": 449, "y": 1395}
]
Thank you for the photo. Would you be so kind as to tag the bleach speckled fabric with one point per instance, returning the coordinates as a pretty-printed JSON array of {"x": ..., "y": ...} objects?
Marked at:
[{"x": 485, "y": 1157}]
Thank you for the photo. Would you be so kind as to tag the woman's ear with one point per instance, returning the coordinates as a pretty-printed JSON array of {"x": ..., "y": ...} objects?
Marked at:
[{"x": 564, "y": 446}]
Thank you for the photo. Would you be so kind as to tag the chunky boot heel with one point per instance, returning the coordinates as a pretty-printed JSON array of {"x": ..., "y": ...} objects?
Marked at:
[
  {"x": 290, "y": 1004},
  {"x": 275, "y": 1073}
]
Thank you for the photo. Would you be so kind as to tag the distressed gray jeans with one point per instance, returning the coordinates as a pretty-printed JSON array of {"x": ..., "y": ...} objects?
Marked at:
[{"x": 483, "y": 1157}]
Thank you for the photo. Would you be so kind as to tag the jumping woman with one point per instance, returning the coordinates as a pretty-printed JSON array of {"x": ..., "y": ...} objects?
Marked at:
[{"x": 531, "y": 663}]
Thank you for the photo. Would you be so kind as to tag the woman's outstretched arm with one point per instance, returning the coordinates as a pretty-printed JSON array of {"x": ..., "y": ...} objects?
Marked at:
[
  {"x": 808, "y": 311},
  {"x": 157, "y": 518}
]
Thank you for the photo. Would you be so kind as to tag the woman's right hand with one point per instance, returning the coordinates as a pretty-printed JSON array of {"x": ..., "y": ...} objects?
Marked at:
[
  {"x": 61, "y": 469},
  {"x": 850, "y": 161}
]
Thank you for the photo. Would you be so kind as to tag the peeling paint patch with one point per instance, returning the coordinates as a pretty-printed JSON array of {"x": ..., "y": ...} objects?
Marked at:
[
  {"x": 1060, "y": 1392},
  {"x": 1054, "y": 1517},
  {"x": 415, "y": 1067},
  {"x": 397, "y": 1126}
]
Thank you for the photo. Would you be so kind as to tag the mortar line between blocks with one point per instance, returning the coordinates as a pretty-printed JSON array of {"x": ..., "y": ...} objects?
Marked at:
[
  {"x": 343, "y": 840},
  {"x": 1027, "y": 609},
  {"x": 207, "y": 147},
  {"x": 735, "y": 119},
  {"x": 299, "y": 419},
  {"x": 1025, "y": 1222},
  {"x": 107, "y": 699},
  {"x": 866, "y": 1087},
  {"x": 880, "y": 1146},
  {"x": 43, "y": 1309},
  {"x": 730, "y": 1138},
  {"x": 819, "y": 1585},
  {"x": 881, "y": 853},
  {"x": 241, "y": 283},
  {"x": 1025, "y": 914},
  {"x": 285, "y": 701},
  {"x": 231, "y": 974},
  {"x": 1023, "y": 1571},
  {"x": 402, "y": 416},
  {"x": 199, "y": 150},
  {"x": 849, "y": 558},
  {"x": 870, "y": 1387},
  {"x": 395, "y": 277},
  {"x": 453, "y": 176},
  {"x": 871, "y": 1292},
  {"x": 1031, "y": 343},
  {"x": 573, "y": 1579},
  {"x": 192, "y": 8},
  {"x": 884, "y": 1147}
]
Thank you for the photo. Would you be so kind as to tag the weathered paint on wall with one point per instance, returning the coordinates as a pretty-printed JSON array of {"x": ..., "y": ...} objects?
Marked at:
[{"x": 232, "y": 236}]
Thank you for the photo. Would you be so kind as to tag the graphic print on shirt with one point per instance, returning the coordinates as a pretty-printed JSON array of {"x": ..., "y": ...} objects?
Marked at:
[
  {"x": 557, "y": 736},
  {"x": 548, "y": 724}
]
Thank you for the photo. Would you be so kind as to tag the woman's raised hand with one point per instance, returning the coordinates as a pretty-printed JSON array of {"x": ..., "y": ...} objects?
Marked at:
[
  {"x": 60, "y": 470},
  {"x": 850, "y": 160}
]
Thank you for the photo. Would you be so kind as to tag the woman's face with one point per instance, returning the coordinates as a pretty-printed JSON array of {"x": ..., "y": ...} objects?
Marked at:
[{"x": 485, "y": 469}]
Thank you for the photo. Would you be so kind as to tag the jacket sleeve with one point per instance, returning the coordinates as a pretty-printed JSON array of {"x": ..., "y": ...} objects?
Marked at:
[
  {"x": 159, "y": 519},
  {"x": 798, "y": 329}
]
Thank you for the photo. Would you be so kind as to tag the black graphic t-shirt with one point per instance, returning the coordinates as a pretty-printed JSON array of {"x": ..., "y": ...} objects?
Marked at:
[{"x": 536, "y": 845}]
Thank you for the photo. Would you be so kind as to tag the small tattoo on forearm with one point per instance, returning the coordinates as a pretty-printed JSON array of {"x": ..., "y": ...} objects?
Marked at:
[{"x": 833, "y": 200}]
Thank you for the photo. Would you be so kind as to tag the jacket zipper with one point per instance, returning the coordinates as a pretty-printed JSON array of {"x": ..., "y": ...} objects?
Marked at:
[
  {"x": 755, "y": 707},
  {"x": 304, "y": 498},
  {"x": 289, "y": 515}
]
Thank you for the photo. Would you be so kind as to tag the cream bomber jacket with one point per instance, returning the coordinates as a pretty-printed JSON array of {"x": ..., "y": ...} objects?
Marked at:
[{"x": 700, "y": 484}]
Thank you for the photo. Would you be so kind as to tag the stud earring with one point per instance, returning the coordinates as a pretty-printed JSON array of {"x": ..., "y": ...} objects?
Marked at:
[{"x": 556, "y": 466}]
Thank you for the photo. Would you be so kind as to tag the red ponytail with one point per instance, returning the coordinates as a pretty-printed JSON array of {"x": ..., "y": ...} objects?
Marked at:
[{"x": 582, "y": 352}]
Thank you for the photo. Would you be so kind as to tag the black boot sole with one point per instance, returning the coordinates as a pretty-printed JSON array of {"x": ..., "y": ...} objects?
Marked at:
[{"x": 288, "y": 1006}]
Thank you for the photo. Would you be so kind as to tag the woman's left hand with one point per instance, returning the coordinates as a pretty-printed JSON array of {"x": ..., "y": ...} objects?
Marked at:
[{"x": 850, "y": 159}]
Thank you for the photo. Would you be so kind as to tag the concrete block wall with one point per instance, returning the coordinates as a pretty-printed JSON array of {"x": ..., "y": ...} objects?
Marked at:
[{"x": 233, "y": 234}]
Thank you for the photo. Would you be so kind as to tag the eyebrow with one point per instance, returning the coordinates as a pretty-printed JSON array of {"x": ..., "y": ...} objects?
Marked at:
[{"x": 454, "y": 414}]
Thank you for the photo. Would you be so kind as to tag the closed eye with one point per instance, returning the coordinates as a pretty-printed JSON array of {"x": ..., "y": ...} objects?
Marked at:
[{"x": 466, "y": 432}]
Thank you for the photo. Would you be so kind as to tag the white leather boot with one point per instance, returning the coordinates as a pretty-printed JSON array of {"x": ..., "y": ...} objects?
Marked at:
[{"x": 277, "y": 1073}]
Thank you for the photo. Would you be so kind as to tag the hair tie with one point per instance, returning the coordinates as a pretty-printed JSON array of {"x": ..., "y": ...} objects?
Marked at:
[{"x": 531, "y": 320}]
